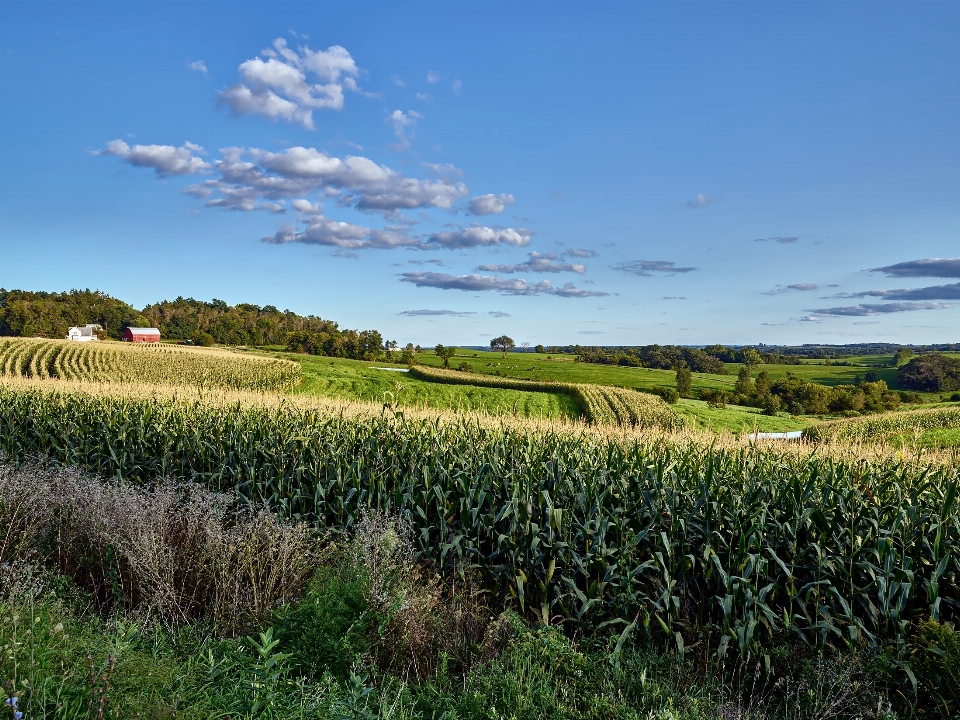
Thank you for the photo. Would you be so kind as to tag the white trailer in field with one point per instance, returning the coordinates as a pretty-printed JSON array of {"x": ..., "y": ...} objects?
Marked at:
[{"x": 83, "y": 334}]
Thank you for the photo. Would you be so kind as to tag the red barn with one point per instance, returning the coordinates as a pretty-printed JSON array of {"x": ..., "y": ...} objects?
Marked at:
[{"x": 132, "y": 334}]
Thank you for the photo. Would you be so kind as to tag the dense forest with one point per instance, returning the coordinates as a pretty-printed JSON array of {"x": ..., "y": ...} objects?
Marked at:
[
  {"x": 930, "y": 373},
  {"x": 43, "y": 314}
]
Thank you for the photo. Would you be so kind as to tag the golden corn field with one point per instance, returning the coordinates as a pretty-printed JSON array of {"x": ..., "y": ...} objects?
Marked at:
[
  {"x": 112, "y": 362},
  {"x": 888, "y": 425},
  {"x": 656, "y": 534},
  {"x": 600, "y": 404}
]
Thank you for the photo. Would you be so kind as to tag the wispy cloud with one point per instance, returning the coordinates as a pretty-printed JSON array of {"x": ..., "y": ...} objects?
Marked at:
[
  {"x": 403, "y": 125},
  {"x": 876, "y": 309},
  {"x": 674, "y": 297},
  {"x": 451, "y": 313},
  {"x": 929, "y": 267},
  {"x": 701, "y": 201},
  {"x": 457, "y": 86},
  {"x": 580, "y": 253},
  {"x": 199, "y": 66},
  {"x": 781, "y": 239},
  {"x": 434, "y": 76},
  {"x": 649, "y": 268},
  {"x": 498, "y": 313},
  {"x": 803, "y": 287},
  {"x": 487, "y": 283},
  {"x": 538, "y": 263}
]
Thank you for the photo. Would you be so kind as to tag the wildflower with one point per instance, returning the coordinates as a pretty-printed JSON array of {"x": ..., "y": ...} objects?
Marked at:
[{"x": 12, "y": 702}]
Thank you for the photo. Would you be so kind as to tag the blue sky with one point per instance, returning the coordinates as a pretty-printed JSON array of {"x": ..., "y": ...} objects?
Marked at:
[{"x": 594, "y": 173}]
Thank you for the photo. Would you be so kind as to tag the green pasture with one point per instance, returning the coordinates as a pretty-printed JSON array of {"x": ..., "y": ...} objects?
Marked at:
[
  {"x": 355, "y": 380},
  {"x": 563, "y": 368}
]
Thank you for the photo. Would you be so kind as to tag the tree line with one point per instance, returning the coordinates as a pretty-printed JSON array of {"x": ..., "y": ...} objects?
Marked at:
[{"x": 44, "y": 314}]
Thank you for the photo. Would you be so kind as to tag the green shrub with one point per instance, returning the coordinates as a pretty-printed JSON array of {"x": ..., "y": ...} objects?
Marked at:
[
  {"x": 329, "y": 627},
  {"x": 668, "y": 394}
]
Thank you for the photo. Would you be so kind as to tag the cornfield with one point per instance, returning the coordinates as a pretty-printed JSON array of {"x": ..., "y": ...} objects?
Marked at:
[
  {"x": 886, "y": 426},
  {"x": 143, "y": 363},
  {"x": 601, "y": 404},
  {"x": 569, "y": 525}
]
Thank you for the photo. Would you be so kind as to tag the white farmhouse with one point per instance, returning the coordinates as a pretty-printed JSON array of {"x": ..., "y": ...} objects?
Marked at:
[{"x": 83, "y": 334}]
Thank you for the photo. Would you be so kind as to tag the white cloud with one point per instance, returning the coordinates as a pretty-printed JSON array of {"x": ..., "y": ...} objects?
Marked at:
[
  {"x": 457, "y": 86},
  {"x": 403, "y": 124},
  {"x": 320, "y": 230},
  {"x": 490, "y": 204},
  {"x": 285, "y": 87},
  {"x": 433, "y": 76},
  {"x": 164, "y": 159},
  {"x": 248, "y": 176},
  {"x": 199, "y": 66},
  {"x": 477, "y": 235},
  {"x": 305, "y": 207}
]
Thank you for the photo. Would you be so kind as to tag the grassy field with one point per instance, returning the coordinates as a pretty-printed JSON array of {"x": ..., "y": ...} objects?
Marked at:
[
  {"x": 355, "y": 380},
  {"x": 737, "y": 419}
]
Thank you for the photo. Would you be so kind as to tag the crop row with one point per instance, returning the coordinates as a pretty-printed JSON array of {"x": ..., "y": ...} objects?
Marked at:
[
  {"x": 883, "y": 427},
  {"x": 142, "y": 363},
  {"x": 599, "y": 404},
  {"x": 651, "y": 535}
]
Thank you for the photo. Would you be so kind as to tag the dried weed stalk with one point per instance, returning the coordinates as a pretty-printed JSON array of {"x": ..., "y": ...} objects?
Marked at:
[{"x": 173, "y": 552}]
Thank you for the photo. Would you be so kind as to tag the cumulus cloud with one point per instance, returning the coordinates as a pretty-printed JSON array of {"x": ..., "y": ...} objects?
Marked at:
[
  {"x": 478, "y": 235},
  {"x": 250, "y": 176},
  {"x": 403, "y": 124},
  {"x": 869, "y": 309},
  {"x": 289, "y": 85},
  {"x": 580, "y": 253},
  {"x": 701, "y": 201},
  {"x": 538, "y": 263},
  {"x": 320, "y": 230},
  {"x": 164, "y": 159},
  {"x": 486, "y": 283},
  {"x": 199, "y": 66},
  {"x": 452, "y": 313},
  {"x": 490, "y": 204},
  {"x": 781, "y": 239},
  {"x": 935, "y": 292},
  {"x": 929, "y": 267},
  {"x": 649, "y": 268},
  {"x": 803, "y": 287}
]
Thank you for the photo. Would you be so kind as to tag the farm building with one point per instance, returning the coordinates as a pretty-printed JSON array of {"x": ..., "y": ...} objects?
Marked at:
[
  {"x": 83, "y": 334},
  {"x": 132, "y": 334}
]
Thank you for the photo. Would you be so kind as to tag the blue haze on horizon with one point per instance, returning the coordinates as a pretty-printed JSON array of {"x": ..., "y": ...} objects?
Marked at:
[{"x": 593, "y": 172}]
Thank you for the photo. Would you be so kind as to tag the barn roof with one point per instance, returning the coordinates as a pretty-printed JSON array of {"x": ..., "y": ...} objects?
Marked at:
[{"x": 143, "y": 331}]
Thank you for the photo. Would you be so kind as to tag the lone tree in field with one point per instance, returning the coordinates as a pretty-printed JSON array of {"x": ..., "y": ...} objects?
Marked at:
[
  {"x": 445, "y": 353},
  {"x": 751, "y": 357},
  {"x": 503, "y": 344},
  {"x": 684, "y": 381}
]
